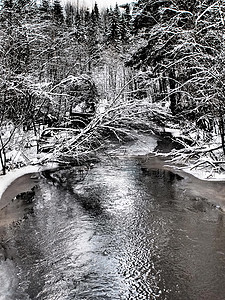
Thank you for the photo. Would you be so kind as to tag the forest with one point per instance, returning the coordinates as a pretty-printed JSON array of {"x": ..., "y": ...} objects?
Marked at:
[{"x": 72, "y": 78}]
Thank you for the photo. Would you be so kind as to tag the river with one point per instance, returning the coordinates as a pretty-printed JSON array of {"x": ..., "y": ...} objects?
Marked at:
[{"x": 124, "y": 232}]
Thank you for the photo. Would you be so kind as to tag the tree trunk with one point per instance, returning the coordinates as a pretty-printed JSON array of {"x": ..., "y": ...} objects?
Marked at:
[
  {"x": 3, "y": 157},
  {"x": 172, "y": 85},
  {"x": 222, "y": 132}
]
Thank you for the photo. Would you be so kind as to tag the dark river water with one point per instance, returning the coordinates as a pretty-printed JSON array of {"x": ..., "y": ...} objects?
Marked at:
[{"x": 125, "y": 232}]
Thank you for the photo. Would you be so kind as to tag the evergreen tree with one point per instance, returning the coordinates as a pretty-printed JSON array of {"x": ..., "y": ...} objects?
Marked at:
[
  {"x": 114, "y": 26},
  {"x": 95, "y": 23},
  {"x": 70, "y": 12},
  {"x": 163, "y": 25},
  {"x": 45, "y": 6},
  {"x": 105, "y": 24},
  {"x": 125, "y": 23},
  {"x": 78, "y": 20},
  {"x": 57, "y": 12},
  {"x": 127, "y": 15},
  {"x": 183, "y": 41},
  {"x": 95, "y": 15},
  {"x": 45, "y": 10},
  {"x": 7, "y": 13},
  {"x": 87, "y": 17},
  {"x": 92, "y": 34}
]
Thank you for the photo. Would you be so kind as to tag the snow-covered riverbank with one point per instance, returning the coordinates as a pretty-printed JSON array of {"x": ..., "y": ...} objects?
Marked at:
[
  {"x": 140, "y": 147},
  {"x": 198, "y": 155},
  {"x": 9, "y": 178}
]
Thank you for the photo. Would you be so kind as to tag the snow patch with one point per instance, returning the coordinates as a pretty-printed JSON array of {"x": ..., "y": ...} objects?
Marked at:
[
  {"x": 175, "y": 132},
  {"x": 204, "y": 174},
  {"x": 6, "y": 180}
]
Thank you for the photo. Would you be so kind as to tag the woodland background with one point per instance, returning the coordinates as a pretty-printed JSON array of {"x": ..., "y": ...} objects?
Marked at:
[{"x": 71, "y": 77}]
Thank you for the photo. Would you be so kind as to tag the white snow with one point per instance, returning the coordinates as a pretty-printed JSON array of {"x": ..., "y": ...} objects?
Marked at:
[
  {"x": 203, "y": 167},
  {"x": 175, "y": 132},
  {"x": 6, "y": 180},
  {"x": 204, "y": 174}
]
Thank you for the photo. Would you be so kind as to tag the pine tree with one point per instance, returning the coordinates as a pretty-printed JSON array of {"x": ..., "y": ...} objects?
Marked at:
[
  {"x": 57, "y": 12},
  {"x": 70, "y": 12},
  {"x": 95, "y": 15},
  {"x": 127, "y": 15},
  {"x": 95, "y": 23},
  {"x": 105, "y": 24},
  {"x": 183, "y": 41},
  {"x": 7, "y": 13},
  {"x": 124, "y": 33},
  {"x": 78, "y": 19},
  {"x": 45, "y": 10},
  {"x": 114, "y": 25},
  {"x": 45, "y": 6},
  {"x": 87, "y": 17},
  {"x": 93, "y": 36},
  {"x": 125, "y": 30}
]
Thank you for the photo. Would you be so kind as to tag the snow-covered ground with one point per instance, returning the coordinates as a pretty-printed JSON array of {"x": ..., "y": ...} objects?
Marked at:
[
  {"x": 204, "y": 166},
  {"x": 6, "y": 180},
  {"x": 204, "y": 174},
  {"x": 21, "y": 155}
]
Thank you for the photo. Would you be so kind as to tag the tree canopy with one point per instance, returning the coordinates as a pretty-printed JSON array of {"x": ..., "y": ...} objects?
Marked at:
[{"x": 168, "y": 53}]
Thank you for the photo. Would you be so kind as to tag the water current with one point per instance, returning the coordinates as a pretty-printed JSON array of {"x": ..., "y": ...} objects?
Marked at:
[{"x": 125, "y": 232}]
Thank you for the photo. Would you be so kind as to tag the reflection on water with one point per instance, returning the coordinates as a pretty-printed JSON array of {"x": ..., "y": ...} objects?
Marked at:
[{"x": 124, "y": 233}]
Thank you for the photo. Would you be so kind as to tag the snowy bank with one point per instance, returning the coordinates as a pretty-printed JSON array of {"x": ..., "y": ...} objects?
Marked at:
[
  {"x": 204, "y": 174},
  {"x": 198, "y": 153},
  {"x": 196, "y": 183},
  {"x": 6, "y": 180}
]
